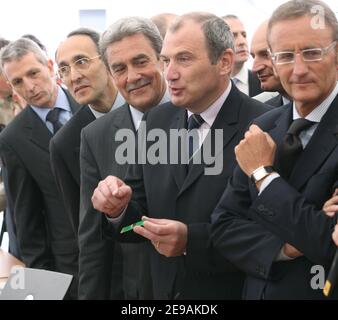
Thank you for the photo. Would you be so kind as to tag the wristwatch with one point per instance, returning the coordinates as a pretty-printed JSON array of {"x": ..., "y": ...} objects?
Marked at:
[{"x": 261, "y": 173}]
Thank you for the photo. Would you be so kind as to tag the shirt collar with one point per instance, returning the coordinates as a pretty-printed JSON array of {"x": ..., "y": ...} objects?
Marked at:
[
  {"x": 119, "y": 101},
  {"x": 242, "y": 75},
  {"x": 61, "y": 102},
  {"x": 137, "y": 115},
  {"x": 210, "y": 114},
  {"x": 317, "y": 114}
]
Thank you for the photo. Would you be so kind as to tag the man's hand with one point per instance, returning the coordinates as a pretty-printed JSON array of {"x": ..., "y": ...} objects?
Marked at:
[
  {"x": 169, "y": 237},
  {"x": 111, "y": 196},
  {"x": 331, "y": 206},
  {"x": 291, "y": 251},
  {"x": 255, "y": 150},
  {"x": 335, "y": 235}
]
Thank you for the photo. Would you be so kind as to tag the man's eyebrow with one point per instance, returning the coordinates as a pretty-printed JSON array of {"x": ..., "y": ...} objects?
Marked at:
[
  {"x": 74, "y": 58},
  {"x": 116, "y": 64},
  {"x": 140, "y": 56}
]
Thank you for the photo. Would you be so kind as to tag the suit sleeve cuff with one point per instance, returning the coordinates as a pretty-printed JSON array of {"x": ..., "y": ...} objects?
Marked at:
[{"x": 267, "y": 181}]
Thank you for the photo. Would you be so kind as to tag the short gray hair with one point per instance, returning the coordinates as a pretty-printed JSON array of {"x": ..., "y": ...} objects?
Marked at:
[
  {"x": 216, "y": 31},
  {"x": 299, "y": 8},
  {"x": 15, "y": 50},
  {"x": 127, "y": 27}
]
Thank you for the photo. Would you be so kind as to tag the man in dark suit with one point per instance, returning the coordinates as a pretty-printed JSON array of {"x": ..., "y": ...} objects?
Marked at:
[
  {"x": 245, "y": 80},
  {"x": 178, "y": 198},
  {"x": 45, "y": 235},
  {"x": 90, "y": 83},
  {"x": 137, "y": 44},
  {"x": 263, "y": 68},
  {"x": 274, "y": 228}
]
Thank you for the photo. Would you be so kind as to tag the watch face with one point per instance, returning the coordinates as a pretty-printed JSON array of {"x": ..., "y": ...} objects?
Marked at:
[{"x": 261, "y": 173}]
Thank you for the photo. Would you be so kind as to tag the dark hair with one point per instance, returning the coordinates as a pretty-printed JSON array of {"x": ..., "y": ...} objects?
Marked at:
[
  {"x": 92, "y": 34},
  {"x": 216, "y": 31}
]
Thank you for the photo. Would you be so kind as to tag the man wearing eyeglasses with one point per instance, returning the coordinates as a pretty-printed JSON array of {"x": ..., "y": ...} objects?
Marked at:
[
  {"x": 45, "y": 236},
  {"x": 82, "y": 70},
  {"x": 271, "y": 226}
]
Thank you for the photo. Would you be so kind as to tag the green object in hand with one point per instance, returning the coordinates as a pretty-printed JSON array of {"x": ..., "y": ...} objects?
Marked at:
[{"x": 131, "y": 227}]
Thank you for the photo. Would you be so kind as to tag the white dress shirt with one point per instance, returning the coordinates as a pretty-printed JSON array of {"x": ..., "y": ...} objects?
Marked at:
[
  {"x": 119, "y": 101},
  {"x": 241, "y": 80}
]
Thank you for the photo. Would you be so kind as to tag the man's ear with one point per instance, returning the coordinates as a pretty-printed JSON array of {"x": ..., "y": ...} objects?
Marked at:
[
  {"x": 226, "y": 62},
  {"x": 50, "y": 65}
]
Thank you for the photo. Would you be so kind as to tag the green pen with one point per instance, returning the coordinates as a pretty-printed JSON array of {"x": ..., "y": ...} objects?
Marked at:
[{"x": 131, "y": 227}]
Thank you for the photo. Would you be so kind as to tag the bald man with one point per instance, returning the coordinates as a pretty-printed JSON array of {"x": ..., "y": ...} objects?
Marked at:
[
  {"x": 263, "y": 68},
  {"x": 244, "y": 79},
  {"x": 163, "y": 21}
]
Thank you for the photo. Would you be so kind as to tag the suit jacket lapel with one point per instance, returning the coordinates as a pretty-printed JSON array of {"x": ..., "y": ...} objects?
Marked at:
[
  {"x": 74, "y": 106},
  {"x": 323, "y": 141},
  {"x": 179, "y": 171},
  {"x": 226, "y": 120},
  {"x": 40, "y": 135},
  {"x": 121, "y": 120},
  {"x": 279, "y": 130},
  {"x": 86, "y": 117}
]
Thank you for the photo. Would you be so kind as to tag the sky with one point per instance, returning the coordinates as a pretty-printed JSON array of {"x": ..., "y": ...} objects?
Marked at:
[{"x": 51, "y": 21}]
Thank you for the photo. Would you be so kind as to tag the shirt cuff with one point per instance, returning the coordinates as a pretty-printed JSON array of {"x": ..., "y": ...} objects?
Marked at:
[
  {"x": 282, "y": 256},
  {"x": 267, "y": 181},
  {"x": 117, "y": 220}
]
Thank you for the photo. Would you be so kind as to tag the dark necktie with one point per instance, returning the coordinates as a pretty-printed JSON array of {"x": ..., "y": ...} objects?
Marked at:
[
  {"x": 194, "y": 122},
  {"x": 53, "y": 118},
  {"x": 292, "y": 146}
]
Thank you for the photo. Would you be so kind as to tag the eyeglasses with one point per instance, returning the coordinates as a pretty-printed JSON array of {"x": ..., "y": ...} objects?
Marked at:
[
  {"x": 79, "y": 65},
  {"x": 308, "y": 55}
]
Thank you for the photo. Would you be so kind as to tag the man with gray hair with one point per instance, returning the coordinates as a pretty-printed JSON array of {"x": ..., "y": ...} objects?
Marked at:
[
  {"x": 45, "y": 235},
  {"x": 177, "y": 197},
  {"x": 272, "y": 226},
  {"x": 131, "y": 48}
]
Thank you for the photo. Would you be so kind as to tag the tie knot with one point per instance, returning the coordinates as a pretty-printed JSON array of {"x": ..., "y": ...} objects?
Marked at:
[
  {"x": 298, "y": 125},
  {"x": 53, "y": 115},
  {"x": 194, "y": 121}
]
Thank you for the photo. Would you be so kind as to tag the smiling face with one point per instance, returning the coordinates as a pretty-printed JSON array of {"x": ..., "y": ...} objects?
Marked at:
[
  {"x": 194, "y": 82},
  {"x": 309, "y": 83},
  {"x": 137, "y": 71},
  {"x": 88, "y": 86},
  {"x": 262, "y": 64},
  {"x": 32, "y": 80}
]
